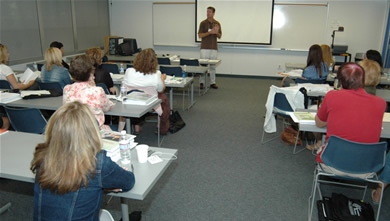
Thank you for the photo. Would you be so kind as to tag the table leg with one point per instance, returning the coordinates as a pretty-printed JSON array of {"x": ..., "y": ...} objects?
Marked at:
[
  {"x": 171, "y": 98},
  {"x": 192, "y": 93},
  {"x": 125, "y": 209},
  {"x": 128, "y": 125}
]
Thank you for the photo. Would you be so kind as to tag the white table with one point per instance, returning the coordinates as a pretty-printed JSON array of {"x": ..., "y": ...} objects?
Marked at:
[
  {"x": 117, "y": 79},
  {"x": 183, "y": 84},
  {"x": 119, "y": 109},
  {"x": 16, "y": 154},
  {"x": 313, "y": 128}
]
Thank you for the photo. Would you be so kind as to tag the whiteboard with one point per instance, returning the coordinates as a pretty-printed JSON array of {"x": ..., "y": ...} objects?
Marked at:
[
  {"x": 173, "y": 24},
  {"x": 305, "y": 24}
]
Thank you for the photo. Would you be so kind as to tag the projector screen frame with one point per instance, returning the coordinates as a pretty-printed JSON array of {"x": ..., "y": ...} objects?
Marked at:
[{"x": 197, "y": 23}]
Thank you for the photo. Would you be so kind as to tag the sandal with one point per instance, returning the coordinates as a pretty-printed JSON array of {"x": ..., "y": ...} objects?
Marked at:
[{"x": 373, "y": 199}]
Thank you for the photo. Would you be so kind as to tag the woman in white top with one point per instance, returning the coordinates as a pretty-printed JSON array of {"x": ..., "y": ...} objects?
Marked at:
[
  {"x": 145, "y": 74},
  {"x": 6, "y": 73}
]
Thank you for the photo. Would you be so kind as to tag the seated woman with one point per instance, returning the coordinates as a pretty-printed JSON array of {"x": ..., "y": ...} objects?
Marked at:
[
  {"x": 145, "y": 74},
  {"x": 53, "y": 71},
  {"x": 71, "y": 165},
  {"x": 351, "y": 113},
  {"x": 315, "y": 68},
  {"x": 85, "y": 90},
  {"x": 101, "y": 74},
  {"x": 372, "y": 75},
  {"x": 7, "y": 74},
  {"x": 327, "y": 56}
]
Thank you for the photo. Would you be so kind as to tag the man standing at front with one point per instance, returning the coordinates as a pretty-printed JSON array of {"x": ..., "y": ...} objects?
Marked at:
[{"x": 209, "y": 31}]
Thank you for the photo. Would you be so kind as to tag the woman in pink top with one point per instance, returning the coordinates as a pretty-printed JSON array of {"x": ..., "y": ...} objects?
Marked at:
[{"x": 85, "y": 90}]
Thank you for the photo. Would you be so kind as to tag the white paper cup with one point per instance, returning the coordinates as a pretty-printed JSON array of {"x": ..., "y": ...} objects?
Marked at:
[{"x": 142, "y": 153}]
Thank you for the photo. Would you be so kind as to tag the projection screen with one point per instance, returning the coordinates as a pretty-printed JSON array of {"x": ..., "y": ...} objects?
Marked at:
[{"x": 242, "y": 21}]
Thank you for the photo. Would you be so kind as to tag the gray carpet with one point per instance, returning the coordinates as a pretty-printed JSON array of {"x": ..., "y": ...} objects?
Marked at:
[{"x": 223, "y": 172}]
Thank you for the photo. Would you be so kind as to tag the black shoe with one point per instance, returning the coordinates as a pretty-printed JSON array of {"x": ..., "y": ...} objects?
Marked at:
[
  {"x": 214, "y": 86},
  {"x": 201, "y": 86}
]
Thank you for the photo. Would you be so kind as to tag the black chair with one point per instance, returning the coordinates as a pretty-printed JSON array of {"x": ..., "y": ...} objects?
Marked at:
[
  {"x": 4, "y": 84},
  {"x": 40, "y": 67},
  {"x": 113, "y": 68},
  {"x": 51, "y": 86},
  {"x": 172, "y": 71},
  {"x": 28, "y": 120},
  {"x": 189, "y": 62},
  {"x": 129, "y": 66},
  {"x": 163, "y": 61},
  {"x": 102, "y": 85}
]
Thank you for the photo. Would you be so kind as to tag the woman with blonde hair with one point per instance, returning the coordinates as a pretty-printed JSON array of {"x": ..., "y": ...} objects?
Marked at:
[
  {"x": 372, "y": 75},
  {"x": 145, "y": 74},
  {"x": 84, "y": 89},
  {"x": 53, "y": 71},
  {"x": 6, "y": 73},
  {"x": 101, "y": 74},
  {"x": 71, "y": 168},
  {"x": 327, "y": 55}
]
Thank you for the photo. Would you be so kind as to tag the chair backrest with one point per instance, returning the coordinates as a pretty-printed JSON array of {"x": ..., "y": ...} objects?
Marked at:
[
  {"x": 129, "y": 66},
  {"x": 39, "y": 66},
  {"x": 164, "y": 61},
  {"x": 4, "y": 84},
  {"x": 172, "y": 71},
  {"x": 29, "y": 120},
  {"x": 51, "y": 86},
  {"x": 113, "y": 68},
  {"x": 102, "y": 85},
  {"x": 281, "y": 103},
  {"x": 352, "y": 157},
  {"x": 316, "y": 81},
  {"x": 189, "y": 62},
  {"x": 105, "y": 215}
]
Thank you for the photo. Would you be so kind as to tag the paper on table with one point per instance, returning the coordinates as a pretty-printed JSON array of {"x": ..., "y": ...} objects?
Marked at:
[
  {"x": 386, "y": 117},
  {"x": 9, "y": 97},
  {"x": 294, "y": 73},
  {"x": 38, "y": 92},
  {"x": 29, "y": 75},
  {"x": 303, "y": 117}
]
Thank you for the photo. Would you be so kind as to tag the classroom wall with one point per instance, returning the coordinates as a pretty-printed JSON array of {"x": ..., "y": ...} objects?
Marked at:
[{"x": 364, "y": 23}]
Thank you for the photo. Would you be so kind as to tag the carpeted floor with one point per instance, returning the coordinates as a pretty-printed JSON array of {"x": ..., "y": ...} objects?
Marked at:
[{"x": 223, "y": 172}]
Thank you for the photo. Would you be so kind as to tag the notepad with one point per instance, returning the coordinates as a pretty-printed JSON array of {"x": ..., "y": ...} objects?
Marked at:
[
  {"x": 303, "y": 117},
  {"x": 386, "y": 117}
]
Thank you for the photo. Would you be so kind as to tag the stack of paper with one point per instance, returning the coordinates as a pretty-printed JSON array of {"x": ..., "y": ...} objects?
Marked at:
[
  {"x": 139, "y": 98},
  {"x": 303, "y": 117},
  {"x": 173, "y": 80},
  {"x": 294, "y": 73},
  {"x": 6, "y": 97},
  {"x": 111, "y": 143},
  {"x": 37, "y": 92}
]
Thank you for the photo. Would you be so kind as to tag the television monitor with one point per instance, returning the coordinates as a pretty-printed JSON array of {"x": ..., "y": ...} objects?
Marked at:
[{"x": 133, "y": 48}]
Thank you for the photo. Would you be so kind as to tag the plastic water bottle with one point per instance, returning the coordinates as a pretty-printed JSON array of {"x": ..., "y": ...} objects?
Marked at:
[
  {"x": 185, "y": 71},
  {"x": 35, "y": 66},
  {"x": 123, "y": 90},
  {"x": 122, "y": 68},
  {"x": 124, "y": 146}
]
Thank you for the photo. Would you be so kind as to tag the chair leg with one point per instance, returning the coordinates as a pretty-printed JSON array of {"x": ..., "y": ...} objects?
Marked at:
[
  {"x": 295, "y": 146},
  {"x": 380, "y": 202},
  {"x": 5, "y": 208},
  {"x": 311, "y": 208}
]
